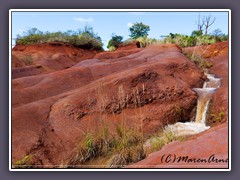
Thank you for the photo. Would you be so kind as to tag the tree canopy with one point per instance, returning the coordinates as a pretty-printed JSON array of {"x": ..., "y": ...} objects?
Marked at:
[
  {"x": 114, "y": 41},
  {"x": 138, "y": 30}
]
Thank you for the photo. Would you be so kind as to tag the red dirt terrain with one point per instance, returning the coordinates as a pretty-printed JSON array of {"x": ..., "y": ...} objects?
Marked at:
[
  {"x": 67, "y": 92},
  {"x": 217, "y": 55},
  {"x": 208, "y": 149},
  {"x": 210, "y": 143},
  {"x": 28, "y": 60}
]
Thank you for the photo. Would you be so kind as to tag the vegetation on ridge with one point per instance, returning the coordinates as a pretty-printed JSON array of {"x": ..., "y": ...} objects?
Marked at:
[
  {"x": 88, "y": 39},
  {"x": 84, "y": 38},
  {"x": 139, "y": 32},
  {"x": 114, "y": 42}
]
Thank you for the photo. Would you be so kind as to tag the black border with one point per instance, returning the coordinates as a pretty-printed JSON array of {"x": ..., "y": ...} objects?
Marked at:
[{"x": 137, "y": 169}]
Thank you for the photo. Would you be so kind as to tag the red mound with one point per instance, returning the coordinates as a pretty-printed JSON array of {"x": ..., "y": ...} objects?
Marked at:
[
  {"x": 217, "y": 54},
  {"x": 130, "y": 45},
  {"x": 220, "y": 68},
  {"x": 27, "y": 71},
  {"x": 213, "y": 142},
  {"x": 206, "y": 150},
  {"x": 52, "y": 112},
  {"x": 116, "y": 54},
  {"x": 17, "y": 62},
  {"x": 51, "y": 56},
  {"x": 209, "y": 51},
  {"x": 122, "y": 50}
]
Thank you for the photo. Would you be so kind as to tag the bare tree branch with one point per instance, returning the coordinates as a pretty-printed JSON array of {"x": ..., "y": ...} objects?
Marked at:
[
  {"x": 207, "y": 22},
  {"x": 200, "y": 23}
]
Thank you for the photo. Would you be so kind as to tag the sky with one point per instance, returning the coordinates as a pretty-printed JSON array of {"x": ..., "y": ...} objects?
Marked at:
[{"x": 107, "y": 23}]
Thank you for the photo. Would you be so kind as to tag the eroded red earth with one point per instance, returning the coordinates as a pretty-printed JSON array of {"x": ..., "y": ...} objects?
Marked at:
[
  {"x": 201, "y": 148},
  {"x": 67, "y": 92}
]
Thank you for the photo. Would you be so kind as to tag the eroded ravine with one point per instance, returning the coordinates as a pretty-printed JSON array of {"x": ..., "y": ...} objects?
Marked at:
[{"x": 204, "y": 96}]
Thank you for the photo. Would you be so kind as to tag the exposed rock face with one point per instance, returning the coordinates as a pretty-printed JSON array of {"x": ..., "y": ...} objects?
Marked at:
[
  {"x": 52, "y": 112},
  {"x": 211, "y": 142}
]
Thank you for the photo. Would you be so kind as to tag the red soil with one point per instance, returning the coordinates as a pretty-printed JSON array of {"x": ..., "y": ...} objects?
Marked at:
[
  {"x": 217, "y": 54},
  {"x": 132, "y": 45},
  {"x": 50, "y": 56},
  {"x": 116, "y": 54},
  {"x": 204, "y": 146},
  {"x": 213, "y": 141},
  {"x": 52, "y": 112}
]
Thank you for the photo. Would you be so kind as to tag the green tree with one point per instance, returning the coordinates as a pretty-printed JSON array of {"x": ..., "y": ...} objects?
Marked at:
[
  {"x": 32, "y": 31},
  {"x": 217, "y": 32},
  {"x": 197, "y": 33},
  {"x": 88, "y": 31},
  {"x": 114, "y": 41},
  {"x": 138, "y": 30}
]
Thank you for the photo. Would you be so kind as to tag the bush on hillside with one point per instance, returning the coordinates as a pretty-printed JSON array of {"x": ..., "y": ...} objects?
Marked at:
[
  {"x": 197, "y": 33},
  {"x": 112, "y": 48},
  {"x": 83, "y": 38},
  {"x": 195, "y": 39},
  {"x": 128, "y": 41},
  {"x": 114, "y": 41},
  {"x": 145, "y": 41}
]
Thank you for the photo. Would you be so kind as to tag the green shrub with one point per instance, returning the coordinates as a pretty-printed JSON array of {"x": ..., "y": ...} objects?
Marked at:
[
  {"x": 205, "y": 40},
  {"x": 181, "y": 40},
  {"x": 112, "y": 48},
  {"x": 84, "y": 38},
  {"x": 197, "y": 59},
  {"x": 114, "y": 41},
  {"x": 197, "y": 33},
  {"x": 87, "y": 42},
  {"x": 157, "y": 142},
  {"x": 218, "y": 118},
  {"x": 219, "y": 35},
  {"x": 144, "y": 41},
  {"x": 25, "y": 162},
  {"x": 127, "y": 147},
  {"x": 121, "y": 149},
  {"x": 195, "y": 39}
]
